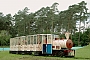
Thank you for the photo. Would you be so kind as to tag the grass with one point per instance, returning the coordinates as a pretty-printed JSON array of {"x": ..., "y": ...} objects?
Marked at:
[{"x": 81, "y": 54}]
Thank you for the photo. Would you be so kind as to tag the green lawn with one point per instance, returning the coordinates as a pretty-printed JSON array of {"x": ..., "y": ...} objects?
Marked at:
[{"x": 81, "y": 54}]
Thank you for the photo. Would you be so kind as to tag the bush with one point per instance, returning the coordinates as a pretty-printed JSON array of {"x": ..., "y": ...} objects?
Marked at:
[{"x": 4, "y": 38}]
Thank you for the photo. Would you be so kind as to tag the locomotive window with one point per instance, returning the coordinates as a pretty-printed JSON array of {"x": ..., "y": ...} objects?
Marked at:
[
  {"x": 39, "y": 39},
  {"x": 25, "y": 41},
  {"x": 49, "y": 37},
  {"x": 53, "y": 37},
  {"x": 31, "y": 39},
  {"x": 28, "y": 39},
  {"x": 34, "y": 39},
  {"x": 13, "y": 43},
  {"x": 19, "y": 41},
  {"x": 22, "y": 41}
]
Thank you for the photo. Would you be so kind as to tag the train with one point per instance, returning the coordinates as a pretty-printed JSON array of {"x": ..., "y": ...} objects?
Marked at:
[{"x": 42, "y": 44}]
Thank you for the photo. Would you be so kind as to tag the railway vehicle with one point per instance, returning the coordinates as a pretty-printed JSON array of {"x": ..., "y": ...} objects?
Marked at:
[{"x": 42, "y": 44}]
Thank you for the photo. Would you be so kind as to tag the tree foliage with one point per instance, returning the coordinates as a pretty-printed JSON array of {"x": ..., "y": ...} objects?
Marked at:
[
  {"x": 47, "y": 20},
  {"x": 4, "y": 38}
]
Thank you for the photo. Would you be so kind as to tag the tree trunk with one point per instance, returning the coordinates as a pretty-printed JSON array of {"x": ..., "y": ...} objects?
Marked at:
[{"x": 79, "y": 33}]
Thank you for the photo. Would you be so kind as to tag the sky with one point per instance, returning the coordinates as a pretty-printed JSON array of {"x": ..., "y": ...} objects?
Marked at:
[{"x": 13, "y": 6}]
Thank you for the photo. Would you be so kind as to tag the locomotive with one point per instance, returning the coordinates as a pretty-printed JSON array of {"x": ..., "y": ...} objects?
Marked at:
[{"x": 42, "y": 44}]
